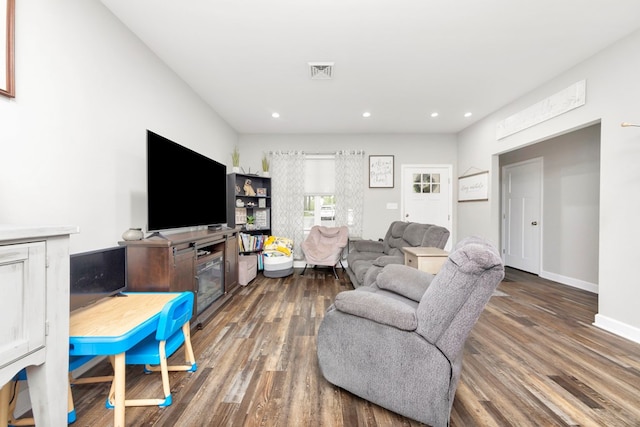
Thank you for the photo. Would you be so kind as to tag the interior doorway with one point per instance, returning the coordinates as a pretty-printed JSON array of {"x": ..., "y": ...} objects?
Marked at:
[{"x": 570, "y": 202}]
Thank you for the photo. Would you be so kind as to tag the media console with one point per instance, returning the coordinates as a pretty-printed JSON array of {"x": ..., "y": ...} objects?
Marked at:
[{"x": 204, "y": 262}]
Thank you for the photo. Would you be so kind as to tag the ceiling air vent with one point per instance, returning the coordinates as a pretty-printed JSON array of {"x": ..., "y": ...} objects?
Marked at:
[{"x": 321, "y": 70}]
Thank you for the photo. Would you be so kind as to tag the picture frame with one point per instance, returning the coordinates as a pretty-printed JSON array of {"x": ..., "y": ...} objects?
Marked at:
[
  {"x": 474, "y": 187},
  {"x": 241, "y": 216},
  {"x": 381, "y": 171},
  {"x": 261, "y": 192},
  {"x": 262, "y": 218},
  {"x": 7, "y": 61}
]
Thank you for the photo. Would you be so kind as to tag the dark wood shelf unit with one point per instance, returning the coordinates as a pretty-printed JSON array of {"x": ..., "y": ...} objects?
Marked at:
[
  {"x": 170, "y": 264},
  {"x": 235, "y": 192}
]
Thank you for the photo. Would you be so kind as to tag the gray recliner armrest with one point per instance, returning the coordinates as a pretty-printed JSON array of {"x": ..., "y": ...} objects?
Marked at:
[
  {"x": 406, "y": 281},
  {"x": 378, "y": 308},
  {"x": 368, "y": 246},
  {"x": 384, "y": 260}
]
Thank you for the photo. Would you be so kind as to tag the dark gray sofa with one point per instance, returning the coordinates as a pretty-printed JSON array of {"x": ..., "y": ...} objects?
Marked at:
[
  {"x": 399, "y": 342},
  {"x": 369, "y": 256}
]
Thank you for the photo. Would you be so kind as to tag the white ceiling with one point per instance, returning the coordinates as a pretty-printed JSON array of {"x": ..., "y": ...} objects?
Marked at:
[{"x": 401, "y": 60}]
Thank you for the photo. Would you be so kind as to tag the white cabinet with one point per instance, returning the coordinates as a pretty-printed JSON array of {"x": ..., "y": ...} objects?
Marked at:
[
  {"x": 22, "y": 278},
  {"x": 34, "y": 315}
]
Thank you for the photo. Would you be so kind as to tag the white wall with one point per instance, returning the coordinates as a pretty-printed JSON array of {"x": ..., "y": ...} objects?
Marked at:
[
  {"x": 407, "y": 149},
  {"x": 571, "y": 205},
  {"x": 72, "y": 142},
  {"x": 613, "y": 93}
]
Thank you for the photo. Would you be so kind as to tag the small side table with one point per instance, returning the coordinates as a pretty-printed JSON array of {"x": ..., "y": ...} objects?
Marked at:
[{"x": 424, "y": 258}]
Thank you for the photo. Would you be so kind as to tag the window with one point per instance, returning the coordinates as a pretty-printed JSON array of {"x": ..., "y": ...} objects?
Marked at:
[
  {"x": 319, "y": 198},
  {"x": 319, "y": 210},
  {"x": 426, "y": 182}
]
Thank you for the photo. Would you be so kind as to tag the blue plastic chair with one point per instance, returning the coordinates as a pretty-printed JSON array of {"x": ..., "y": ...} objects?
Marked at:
[{"x": 173, "y": 331}]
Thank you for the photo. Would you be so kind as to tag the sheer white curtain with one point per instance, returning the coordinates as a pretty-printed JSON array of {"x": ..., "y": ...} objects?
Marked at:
[
  {"x": 350, "y": 173},
  {"x": 287, "y": 199}
]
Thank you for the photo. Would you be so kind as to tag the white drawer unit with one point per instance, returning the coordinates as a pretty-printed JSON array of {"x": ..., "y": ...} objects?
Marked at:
[{"x": 34, "y": 316}]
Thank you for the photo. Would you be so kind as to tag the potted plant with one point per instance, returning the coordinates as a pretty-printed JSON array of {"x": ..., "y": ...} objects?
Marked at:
[
  {"x": 251, "y": 222},
  {"x": 265, "y": 165},
  {"x": 235, "y": 159}
]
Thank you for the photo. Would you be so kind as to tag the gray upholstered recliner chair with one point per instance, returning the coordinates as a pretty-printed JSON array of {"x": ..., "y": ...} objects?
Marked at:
[{"x": 399, "y": 342}]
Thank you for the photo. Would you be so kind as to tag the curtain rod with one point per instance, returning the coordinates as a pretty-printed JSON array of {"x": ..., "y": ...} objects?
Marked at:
[{"x": 318, "y": 153}]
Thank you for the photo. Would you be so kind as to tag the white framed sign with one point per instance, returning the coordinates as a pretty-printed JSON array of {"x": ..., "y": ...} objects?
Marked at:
[
  {"x": 380, "y": 171},
  {"x": 475, "y": 187}
]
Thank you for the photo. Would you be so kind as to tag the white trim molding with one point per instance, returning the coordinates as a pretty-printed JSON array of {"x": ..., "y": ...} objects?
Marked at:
[
  {"x": 570, "y": 281},
  {"x": 617, "y": 327}
]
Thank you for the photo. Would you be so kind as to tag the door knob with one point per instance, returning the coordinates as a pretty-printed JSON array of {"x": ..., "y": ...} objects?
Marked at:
[{"x": 534, "y": 222}]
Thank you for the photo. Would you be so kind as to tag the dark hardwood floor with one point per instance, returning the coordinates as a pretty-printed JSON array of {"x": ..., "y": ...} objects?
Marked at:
[{"x": 533, "y": 359}]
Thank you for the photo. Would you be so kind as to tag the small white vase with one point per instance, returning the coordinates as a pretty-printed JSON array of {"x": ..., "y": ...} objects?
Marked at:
[
  {"x": 265, "y": 173},
  {"x": 133, "y": 234},
  {"x": 235, "y": 169}
]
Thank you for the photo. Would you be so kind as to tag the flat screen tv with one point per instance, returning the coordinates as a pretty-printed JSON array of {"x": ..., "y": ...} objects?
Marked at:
[
  {"x": 184, "y": 188},
  {"x": 97, "y": 274}
]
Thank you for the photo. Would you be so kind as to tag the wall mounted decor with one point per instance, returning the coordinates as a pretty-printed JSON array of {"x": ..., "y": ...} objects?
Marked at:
[
  {"x": 566, "y": 100},
  {"x": 474, "y": 187},
  {"x": 380, "y": 171},
  {"x": 7, "y": 20}
]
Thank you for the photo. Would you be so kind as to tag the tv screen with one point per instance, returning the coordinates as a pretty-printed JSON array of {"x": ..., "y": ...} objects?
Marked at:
[
  {"x": 184, "y": 188},
  {"x": 97, "y": 274}
]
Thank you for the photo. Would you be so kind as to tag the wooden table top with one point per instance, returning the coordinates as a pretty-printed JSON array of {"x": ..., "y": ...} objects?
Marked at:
[{"x": 115, "y": 316}]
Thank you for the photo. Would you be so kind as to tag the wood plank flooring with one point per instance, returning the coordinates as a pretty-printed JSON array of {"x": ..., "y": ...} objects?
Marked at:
[{"x": 533, "y": 359}]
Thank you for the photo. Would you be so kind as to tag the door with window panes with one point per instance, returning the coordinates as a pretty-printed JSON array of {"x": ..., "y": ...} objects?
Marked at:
[{"x": 426, "y": 195}]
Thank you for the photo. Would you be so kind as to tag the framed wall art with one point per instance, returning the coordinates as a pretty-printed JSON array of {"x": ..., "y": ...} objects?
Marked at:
[
  {"x": 474, "y": 187},
  {"x": 7, "y": 69},
  {"x": 380, "y": 171}
]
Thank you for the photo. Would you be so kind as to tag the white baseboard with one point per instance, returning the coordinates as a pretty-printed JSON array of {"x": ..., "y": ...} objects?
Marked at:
[
  {"x": 618, "y": 328},
  {"x": 570, "y": 281}
]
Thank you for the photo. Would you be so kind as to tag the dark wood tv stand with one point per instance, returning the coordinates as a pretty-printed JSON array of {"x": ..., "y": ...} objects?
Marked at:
[{"x": 170, "y": 264}]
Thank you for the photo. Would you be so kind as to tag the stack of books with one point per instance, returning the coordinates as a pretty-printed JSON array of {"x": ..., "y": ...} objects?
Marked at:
[{"x": 250, "y": 242}]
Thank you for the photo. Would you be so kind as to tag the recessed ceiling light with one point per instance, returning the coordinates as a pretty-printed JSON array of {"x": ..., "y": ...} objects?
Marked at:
[
  {"x": 434, "y": 114},
  {"x": 275, "y": 115},
  {"x": 366, "y": 114},
  {"x": 467, "y": 114}
]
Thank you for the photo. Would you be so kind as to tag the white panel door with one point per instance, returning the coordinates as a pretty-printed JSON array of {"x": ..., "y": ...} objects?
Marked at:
[
  {"x": 426, "y": 195},
  {"x": 521, "y": 215}
]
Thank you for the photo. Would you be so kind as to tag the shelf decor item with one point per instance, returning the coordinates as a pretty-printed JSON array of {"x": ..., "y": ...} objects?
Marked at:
[
  {"x": 235, "y": 159},
  {"x": 265, "y": 165},
  {"x": 241, "y": 216},
  {"x": 133, "y": 234}
]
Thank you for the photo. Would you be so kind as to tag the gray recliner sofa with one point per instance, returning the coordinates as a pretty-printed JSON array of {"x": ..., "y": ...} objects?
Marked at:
[
  {"x": 399, "y": 341},
  {"x": 367, "y": 257}
]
